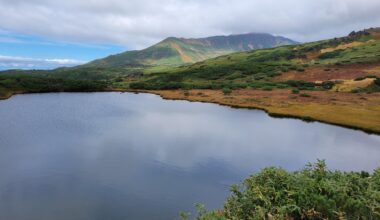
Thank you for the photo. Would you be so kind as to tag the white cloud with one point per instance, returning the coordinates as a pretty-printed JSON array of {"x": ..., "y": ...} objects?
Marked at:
[
  {"x": 13, "y": 62},
  {"x": 139, "y": 23}
]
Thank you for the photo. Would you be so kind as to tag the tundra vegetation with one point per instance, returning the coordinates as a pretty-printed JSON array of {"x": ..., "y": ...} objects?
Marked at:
[{"x": 315, "y": 192}]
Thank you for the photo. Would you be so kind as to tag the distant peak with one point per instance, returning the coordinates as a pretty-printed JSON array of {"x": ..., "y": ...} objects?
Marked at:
[{"x": 170, "y": 39}]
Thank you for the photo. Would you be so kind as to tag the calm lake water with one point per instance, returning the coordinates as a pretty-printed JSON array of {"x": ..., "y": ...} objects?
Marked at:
[{"x": 110, "y": 156}]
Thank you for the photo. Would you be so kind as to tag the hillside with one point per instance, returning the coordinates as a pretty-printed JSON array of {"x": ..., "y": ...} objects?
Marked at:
[
  {"x": 346, "y": 58},
  {"x": 177, "y": 51}
]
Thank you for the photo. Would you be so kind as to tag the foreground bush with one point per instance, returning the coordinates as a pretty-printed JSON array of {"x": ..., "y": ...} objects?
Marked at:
[{"x": 313, "y": 193}]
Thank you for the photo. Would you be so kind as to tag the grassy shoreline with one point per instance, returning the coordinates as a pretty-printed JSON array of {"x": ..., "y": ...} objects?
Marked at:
[
  {"x": 331, "y": 116},
  {"x": 364, "y": 119}
]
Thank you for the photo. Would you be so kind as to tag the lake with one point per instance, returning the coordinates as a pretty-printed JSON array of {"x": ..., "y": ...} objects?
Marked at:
[{"x": 110, "y": 156}]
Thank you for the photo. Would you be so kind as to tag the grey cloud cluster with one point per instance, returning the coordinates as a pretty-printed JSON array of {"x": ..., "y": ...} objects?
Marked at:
[
  {"x": 12, "y": 62},
  {"x": 138, "y": 23}
]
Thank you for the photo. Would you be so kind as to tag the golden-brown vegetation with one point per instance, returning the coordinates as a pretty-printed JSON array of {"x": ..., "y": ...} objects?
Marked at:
[{"x": 354, "y": 110}]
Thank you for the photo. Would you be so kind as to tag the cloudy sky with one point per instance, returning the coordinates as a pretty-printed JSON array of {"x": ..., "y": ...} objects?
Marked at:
[{"x": 48, "y": 33}]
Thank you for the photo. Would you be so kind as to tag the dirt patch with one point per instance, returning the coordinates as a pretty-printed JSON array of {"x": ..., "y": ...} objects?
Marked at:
[
  {"x": 320, "y": 73},
  {"x": 185, "y": 58}
]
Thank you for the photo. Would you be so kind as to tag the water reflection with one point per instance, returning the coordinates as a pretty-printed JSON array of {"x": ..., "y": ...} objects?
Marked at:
[{"x": 126, "y": 156}]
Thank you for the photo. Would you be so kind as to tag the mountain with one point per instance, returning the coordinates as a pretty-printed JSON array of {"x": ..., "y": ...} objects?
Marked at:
[
  {"x": 335, "y": 61},
  {"x": 177, "y": 51}
]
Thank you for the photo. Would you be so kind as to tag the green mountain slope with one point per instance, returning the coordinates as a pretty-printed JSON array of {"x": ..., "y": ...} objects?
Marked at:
[
  {"x": 356, "y": 55},
  {"x": 177, "y": 51}
]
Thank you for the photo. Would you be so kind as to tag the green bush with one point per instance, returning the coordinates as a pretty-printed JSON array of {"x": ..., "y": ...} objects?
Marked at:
[
  {"x": 377, "y": 81},
  {"x": 312, "y": 193},
  {"x": 328, "y": 84},
  {"x": 284, "y": 69},
  {"x": 119, "y": 79},
  {"x": 330, "y": 55},
  {"x": 300, "y": 84},
  {"x": 360, "y": 78},
  {"x": 226, "y": 91},
  {"x": 295, "y": 91},
  {"x": 305, "y": 95}
]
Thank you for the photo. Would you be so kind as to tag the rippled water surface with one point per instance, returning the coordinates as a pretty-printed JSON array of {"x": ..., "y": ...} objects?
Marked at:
[{"x": 100, "y": 156}]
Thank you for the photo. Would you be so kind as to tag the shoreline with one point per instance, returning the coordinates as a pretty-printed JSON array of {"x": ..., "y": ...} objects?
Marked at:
[
  {"x": 228, "y": 101},
  {"x": 268, "y": 111}
]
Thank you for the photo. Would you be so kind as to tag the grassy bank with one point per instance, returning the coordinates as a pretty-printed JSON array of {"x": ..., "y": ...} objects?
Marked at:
[
  {"x": 19, "y": 84},
  {"x": 312, "y": 193},
  {"x": 352, "y": 110}
]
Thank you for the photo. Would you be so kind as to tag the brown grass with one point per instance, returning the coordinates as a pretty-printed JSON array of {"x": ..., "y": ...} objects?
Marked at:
[
  {"x": 349, "y": 85},
  {"x": 359, "y": 111},
  {"x": 342, "y": 47},
  {"x": 324, "y": 73}
]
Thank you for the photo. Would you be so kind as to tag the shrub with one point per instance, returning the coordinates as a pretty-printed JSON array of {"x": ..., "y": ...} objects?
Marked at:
[
  {"x": 330, "y": 55},
  {"x": 305, "y": 95},
  {"x": 328, "y": 84},
  {"x": 360, "y": 78},
  {"x": 300, "y": 84},
  {"x": 282, "y": 86},
  {"x": 137, "y": 85},
  {"x": 312, "y": 193},
  {"x": 226, "y": 91},
  {"x": 377, "y": 81},
  {"x": 295, "y": 91},
  {"x": 119, "y": 79}
]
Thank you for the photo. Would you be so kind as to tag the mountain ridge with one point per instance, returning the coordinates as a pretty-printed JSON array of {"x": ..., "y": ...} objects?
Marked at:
[{"x": 174, "y": 51}]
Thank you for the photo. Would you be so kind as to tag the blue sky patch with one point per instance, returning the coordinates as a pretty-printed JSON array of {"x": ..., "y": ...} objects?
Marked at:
[{"x": 30, "y": 52}]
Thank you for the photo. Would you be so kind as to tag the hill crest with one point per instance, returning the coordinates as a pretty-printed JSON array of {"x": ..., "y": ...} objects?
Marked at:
[{"x": 174, "y": 51}]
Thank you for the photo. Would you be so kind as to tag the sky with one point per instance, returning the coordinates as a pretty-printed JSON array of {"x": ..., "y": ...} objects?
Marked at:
[{"x": 45, "y": 34}]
